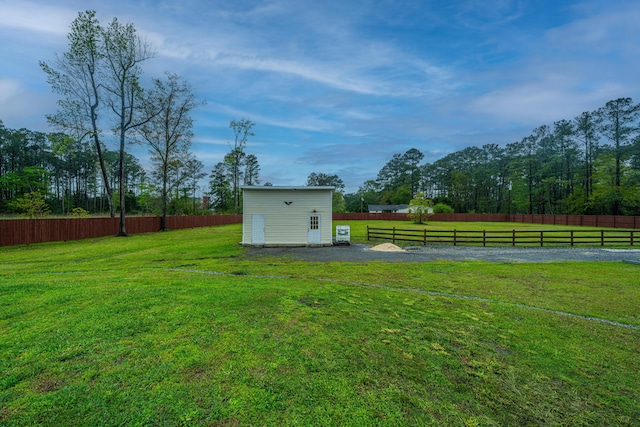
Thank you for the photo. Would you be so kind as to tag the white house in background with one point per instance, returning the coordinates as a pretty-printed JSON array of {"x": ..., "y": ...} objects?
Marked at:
[
  {"x": 287, "y": 216},
  {"x": 389, "y": 208}
]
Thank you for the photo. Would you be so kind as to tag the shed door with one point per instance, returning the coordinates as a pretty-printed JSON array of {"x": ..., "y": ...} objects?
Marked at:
[
  {"x": 257, "y": 229},
  {"x": 314, "y": 229}
]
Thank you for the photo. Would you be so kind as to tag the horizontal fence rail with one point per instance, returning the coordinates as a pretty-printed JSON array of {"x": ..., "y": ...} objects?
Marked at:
[{"x": 508, "y": 237}]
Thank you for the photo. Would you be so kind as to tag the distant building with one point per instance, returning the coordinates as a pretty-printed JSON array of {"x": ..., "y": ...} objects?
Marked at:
[
  {"x": 388, "y": 208},
  {"x": 287, "y": 216}
]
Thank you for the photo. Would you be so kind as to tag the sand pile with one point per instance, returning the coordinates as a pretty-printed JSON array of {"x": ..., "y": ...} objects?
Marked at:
[{"x": 387, "y": 247}]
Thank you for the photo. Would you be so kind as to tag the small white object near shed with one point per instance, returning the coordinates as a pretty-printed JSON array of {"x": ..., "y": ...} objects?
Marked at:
[
  {"x": 287, "y": 216},
  {"x": 343, "y": 235}
]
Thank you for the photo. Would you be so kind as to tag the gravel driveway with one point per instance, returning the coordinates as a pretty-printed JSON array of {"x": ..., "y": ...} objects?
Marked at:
[{"x": 363, "y": 253}]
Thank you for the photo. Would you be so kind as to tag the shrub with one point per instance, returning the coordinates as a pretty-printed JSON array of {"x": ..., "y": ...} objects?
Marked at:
[
  {"x": 420, "y": 208},
  {"x": 32, "y": 205},
  {"x": 79, "y": 213},
  {"x": 442, "y": 208}
]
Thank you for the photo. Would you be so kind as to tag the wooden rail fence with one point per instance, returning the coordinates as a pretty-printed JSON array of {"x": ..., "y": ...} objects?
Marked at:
[{"x": 506, "y": 237}]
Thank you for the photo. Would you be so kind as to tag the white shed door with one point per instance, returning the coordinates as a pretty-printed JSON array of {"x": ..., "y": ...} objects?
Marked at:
[
  {"x": 257, "y": 229},
  {"x": 314, "y": 229}
]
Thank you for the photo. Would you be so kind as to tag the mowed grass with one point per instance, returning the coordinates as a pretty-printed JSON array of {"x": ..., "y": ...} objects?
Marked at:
[{"x": 179, "y": 328}]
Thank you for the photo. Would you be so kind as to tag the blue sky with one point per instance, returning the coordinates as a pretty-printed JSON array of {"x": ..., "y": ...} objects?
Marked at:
[{"x": 340, "y": 86}]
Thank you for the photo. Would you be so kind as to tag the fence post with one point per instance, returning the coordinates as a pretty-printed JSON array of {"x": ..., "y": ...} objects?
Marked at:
[
  {"x": 513, "y": 238},
  {"x": 631, "y": 237},
  {"x": 368, "y": 235},
  {"x": 571, "y": 238},
  {"x": 393, "y": 237},
  {"x": 541, "y": 238},
  {"x": 484, "y": 238},
  {"x": 601, "y": 237},
  {"x": 455, "y": 243},
  {"x": 424, "y": 239}
]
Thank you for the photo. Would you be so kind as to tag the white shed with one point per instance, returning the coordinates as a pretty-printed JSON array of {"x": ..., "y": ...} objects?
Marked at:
[{"x": 287, "y": 216}]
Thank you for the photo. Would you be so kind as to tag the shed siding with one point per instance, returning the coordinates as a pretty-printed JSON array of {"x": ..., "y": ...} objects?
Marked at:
[{"x": 287, "y": 224}]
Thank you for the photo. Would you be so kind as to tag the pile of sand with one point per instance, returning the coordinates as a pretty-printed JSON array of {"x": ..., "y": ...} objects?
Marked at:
[{"x": 387, "y": 247}]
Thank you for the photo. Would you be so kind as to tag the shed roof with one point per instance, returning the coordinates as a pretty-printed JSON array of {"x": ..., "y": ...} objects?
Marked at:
[{"x": 276, "y": 188}]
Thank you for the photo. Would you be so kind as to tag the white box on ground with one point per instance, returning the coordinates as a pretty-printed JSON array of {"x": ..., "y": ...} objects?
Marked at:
[{"x": 343, "y": 234}]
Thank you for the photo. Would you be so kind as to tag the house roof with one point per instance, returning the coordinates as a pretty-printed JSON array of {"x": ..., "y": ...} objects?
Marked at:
[
  {"x": 276, "y": 188},
  {"x": 388, "y": 208}
]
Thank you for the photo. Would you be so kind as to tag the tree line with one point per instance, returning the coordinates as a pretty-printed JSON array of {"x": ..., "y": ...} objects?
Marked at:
[
  {"x": 587, "y": 165},
  {"x": 66, "y": 174},
  {"x": 52, "y": 173}
]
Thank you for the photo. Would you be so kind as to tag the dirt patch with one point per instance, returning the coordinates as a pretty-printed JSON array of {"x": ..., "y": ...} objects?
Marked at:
[
  {"x": 49, "y": 384},
  {"x": 387, "y": 247}
]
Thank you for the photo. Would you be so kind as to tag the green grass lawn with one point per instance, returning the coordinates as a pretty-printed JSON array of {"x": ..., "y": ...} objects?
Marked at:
[{"x": 179, "y": 328}]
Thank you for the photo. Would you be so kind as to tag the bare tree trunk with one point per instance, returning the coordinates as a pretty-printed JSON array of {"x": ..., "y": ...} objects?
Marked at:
[
  {"x": 123, "y": 230},
  {"x": 163, "y": 220}
]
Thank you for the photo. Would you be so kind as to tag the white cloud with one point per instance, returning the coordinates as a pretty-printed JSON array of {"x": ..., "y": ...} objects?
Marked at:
[
  {"x": 329, "y": 74},
  {"x": 21, "y": 107},
  {"x": 611, "y": 29},
  {"x": 343, "y": 60},
  {"x": 482, "y": 14},
  {"x": 576, "y": 67},
  {"x": 306, "y": 122},
  {"x": 9, "y": 88},
  {"x": 359, "y": 114},
  {"x": 25, "y": 15},
  {"x": 211, "y": 141},
  {"x": 378, "y": 70}
]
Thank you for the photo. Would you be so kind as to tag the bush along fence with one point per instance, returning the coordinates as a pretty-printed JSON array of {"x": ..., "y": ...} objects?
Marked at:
[
  {"x": 28, "y": 231},
  {"x": 506, "y": 237}
]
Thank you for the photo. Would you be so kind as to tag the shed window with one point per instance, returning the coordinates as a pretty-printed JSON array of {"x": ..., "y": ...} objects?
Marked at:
[{"x": 314, "y": 222}]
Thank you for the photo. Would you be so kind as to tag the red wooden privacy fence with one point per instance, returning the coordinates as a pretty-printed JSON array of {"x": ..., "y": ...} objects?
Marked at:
[
  {"x": 27, "y": 231},
  {"x": 607, "y": 221}
]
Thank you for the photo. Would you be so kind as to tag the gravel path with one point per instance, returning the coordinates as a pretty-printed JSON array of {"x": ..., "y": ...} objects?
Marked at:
[{"x": 363, "y": 253}]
